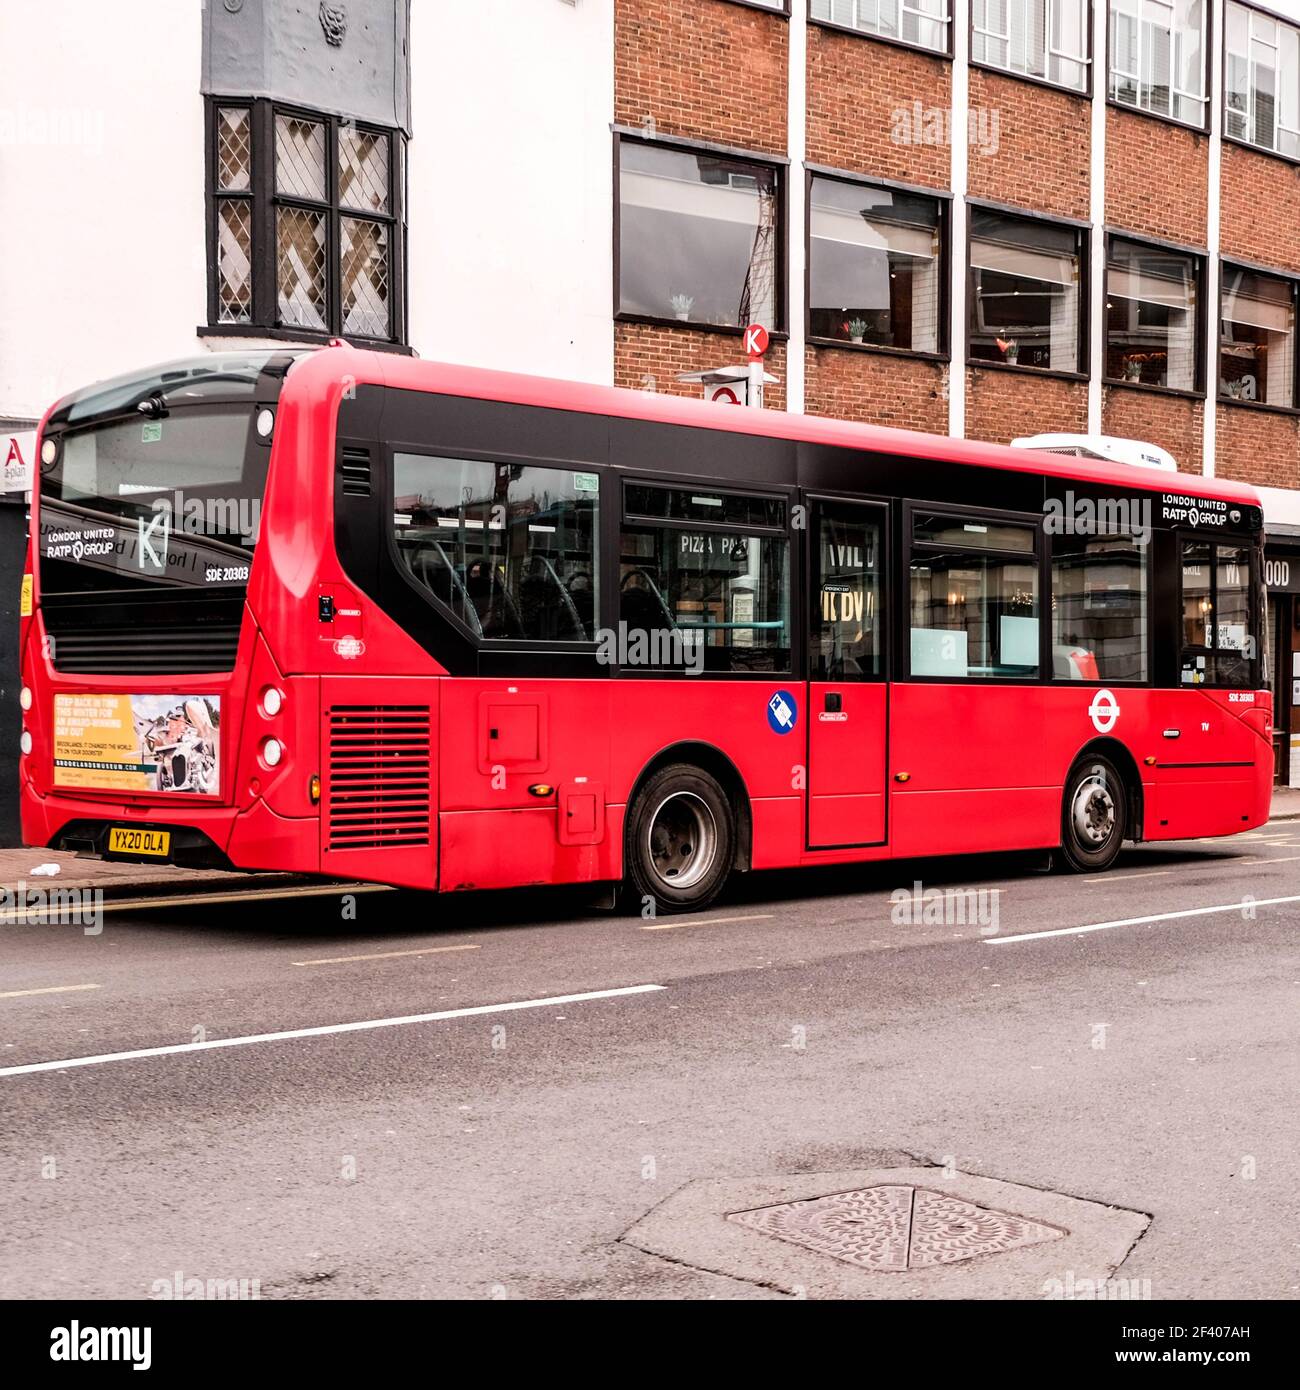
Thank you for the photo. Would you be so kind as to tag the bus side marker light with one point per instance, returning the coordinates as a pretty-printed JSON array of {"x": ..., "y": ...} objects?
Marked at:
[
  {"x": 902, "y": 777},
  {"x": 540, "y": 789},
  {"x": 313, "y": 789},
  {"x": 1150, "y": 762}
]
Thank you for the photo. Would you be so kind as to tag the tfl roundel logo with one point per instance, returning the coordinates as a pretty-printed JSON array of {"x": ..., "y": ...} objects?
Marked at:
[
  {"x": 1104, "y": 711},
  {"x": 782, "y": 712}
]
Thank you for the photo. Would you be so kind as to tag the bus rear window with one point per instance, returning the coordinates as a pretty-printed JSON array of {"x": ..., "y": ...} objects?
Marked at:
[{"x": 133, "y": 502}]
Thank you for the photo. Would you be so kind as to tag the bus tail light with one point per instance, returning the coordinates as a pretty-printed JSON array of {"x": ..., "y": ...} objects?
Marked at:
[
  {"x": 272, "y": 701},
  {"x": 25, "y": 742},
  {"x": 272, "y": 752},
  {"x": 25, "y": 697}
]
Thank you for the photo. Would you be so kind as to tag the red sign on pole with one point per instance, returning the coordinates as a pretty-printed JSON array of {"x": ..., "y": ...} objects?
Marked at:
[{"x": 755, "y": 340}]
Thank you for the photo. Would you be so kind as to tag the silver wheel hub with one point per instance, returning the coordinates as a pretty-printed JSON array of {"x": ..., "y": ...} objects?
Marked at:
[
  {"x": 1092, "y": 812},
  {"x": 681, "y": 840}
]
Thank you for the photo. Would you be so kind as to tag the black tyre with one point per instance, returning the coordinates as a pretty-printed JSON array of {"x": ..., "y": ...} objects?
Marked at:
[
  {"x": 681, "y": 840},
  {"x": 1094, "y": 815}
]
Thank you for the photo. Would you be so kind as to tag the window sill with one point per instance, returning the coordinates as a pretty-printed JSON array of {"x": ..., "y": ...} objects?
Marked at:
[
  {"x": 303, "y": 337},
  {"x": 1052, "y": 373},
  {"x": 1084, "y": 94},
  {"x": 942, "y": 55},
  {"x": 1202, "y": 129},
  {"x": 1250, "y": 145},
  {"x": 1265, "y": 406},
  {"x": 880, "y": 349},
  {"x": 1177, "y": 392},
  {"x": 693, "y": 326},
  {"x": 781, "y": 11}
]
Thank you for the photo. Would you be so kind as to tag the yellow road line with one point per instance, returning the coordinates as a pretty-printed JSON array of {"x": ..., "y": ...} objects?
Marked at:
[
  {"x": 24, "y": 915},
  {"x": 386, "y": 955},
  {"x": 49, "y": 989}
]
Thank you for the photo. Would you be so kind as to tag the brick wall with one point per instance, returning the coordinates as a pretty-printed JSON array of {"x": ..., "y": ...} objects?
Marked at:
[
  {"x": 877, "y": 388},
  {"x": 705, "y": 69},
  {"x": 1029, "y": 145},
  {"x": 650, "y": 357},
  {"x": 862, "y": 108},
  {"x": 1173, "y": 422},
  {"x": 1260, "y": 216},
  {"x": 1157, "y": 178},
  {"x": 1002, "y": 406},
  {"x": 1256, "y": 446}
]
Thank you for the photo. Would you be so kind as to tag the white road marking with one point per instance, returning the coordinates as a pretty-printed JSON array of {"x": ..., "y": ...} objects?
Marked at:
[
  {"x": 1265, "y": 859},
  {"x": 386, "y": 955},
  {"x": 1139, "y": 921},
  {"x": 329, "y": 1028},
  {"x": 707, "y": 921},
  {"x": 49, "y": 989},
  {"x": 1124, "y": 878}
]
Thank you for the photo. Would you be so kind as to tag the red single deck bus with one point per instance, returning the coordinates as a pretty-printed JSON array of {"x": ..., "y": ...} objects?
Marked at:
[{"x": 352, "y": 614}]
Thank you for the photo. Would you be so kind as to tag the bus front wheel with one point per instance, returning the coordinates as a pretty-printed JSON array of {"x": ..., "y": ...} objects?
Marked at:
[
  {"x": 1094, "y": 815},
  {"x": 681, "y": 840}
]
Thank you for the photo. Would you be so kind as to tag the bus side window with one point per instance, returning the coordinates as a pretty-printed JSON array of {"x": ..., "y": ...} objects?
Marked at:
[
  {"x": 510, "y": 548},
  {"x": 1219, "y": 644},
  {"x": 1099, "y": 608}
]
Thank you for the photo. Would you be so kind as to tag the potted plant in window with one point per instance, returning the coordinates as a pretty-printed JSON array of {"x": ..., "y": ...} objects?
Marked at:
[
  {"x": 1133, "y": 368},
  {"x": 1010, "y": 350},
  {"x": 856, "y": 329},
  {"x": 682, "y": 305}
]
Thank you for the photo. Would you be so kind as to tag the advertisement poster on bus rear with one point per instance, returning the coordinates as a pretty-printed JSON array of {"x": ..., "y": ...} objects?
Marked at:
[{"x": 138, "y": 743}]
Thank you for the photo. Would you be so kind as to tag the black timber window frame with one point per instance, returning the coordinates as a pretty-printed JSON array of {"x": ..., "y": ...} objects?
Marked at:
[
  {"x": 1227, "y": 266},
  {"x": 262, "y": 200}
]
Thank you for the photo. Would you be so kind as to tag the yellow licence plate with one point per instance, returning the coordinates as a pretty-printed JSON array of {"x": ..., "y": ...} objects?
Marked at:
[{"x": 125, "y": 840}]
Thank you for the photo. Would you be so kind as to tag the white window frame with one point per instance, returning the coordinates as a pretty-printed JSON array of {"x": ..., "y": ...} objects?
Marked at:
[
  {"x": 1254, "y": 21},
  {"x": 861, "y": 21},
  {"x": 1136, "y": 10},
  {"x": 1020, "y": 8}
]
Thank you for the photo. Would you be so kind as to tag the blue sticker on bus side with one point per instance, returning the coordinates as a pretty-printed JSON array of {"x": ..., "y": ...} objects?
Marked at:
[{"x": 782, "y": 712}]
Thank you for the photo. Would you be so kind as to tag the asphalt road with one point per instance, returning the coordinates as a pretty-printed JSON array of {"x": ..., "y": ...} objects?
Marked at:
[{"x": 801, "y": 1026}]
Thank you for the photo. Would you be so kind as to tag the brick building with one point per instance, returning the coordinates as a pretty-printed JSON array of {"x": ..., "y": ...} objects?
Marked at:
[{"x": 979, "y": 217}]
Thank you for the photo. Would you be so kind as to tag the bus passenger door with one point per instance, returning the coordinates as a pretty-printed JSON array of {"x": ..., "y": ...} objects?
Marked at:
[{"x": 848, "y": 697}]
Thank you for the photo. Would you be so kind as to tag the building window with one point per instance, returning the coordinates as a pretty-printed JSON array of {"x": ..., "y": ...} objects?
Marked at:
[
  {"x": 1262, "y": 81},
  {"x": 307, "y": 230},
  {"x": 1024, "y": 300},
  {"x": 699, "y": 237},
  {"x": 923, "y": 23},
  {"x": 1099, "y": 608},
  {"x": 1047, "y": 39},
  {"x": 509, "y": 548},
  {"x": 875, "y": 268},
  {"x": 974, "y": 598},
  {"x": 1257, "y": 359},
  {"x": 1151, "y": 316},
  {"x": 1157, "y": 57}
]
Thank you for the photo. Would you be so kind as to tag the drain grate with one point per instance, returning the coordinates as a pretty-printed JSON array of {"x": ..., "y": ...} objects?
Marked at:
[{"x": 895, "y": 1227}]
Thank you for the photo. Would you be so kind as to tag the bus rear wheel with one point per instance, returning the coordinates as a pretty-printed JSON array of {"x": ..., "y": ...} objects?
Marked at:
[
  {"x": 1094, "y": 815},
  {"x": 681, "y": 839}
]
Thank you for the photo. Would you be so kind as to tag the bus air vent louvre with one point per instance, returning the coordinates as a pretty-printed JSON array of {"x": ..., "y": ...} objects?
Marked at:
[
  {"x": 378, "y": 793},
  {"x": 356, "y": 472},
  {"x": 148, "y": 651}
]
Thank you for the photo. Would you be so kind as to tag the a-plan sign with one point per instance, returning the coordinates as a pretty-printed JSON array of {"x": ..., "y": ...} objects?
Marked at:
[{"x": 19, "y": 452}]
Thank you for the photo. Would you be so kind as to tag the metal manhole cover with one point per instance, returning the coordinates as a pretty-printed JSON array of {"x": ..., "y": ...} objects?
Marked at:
[{"x": 895, "y": 1227}]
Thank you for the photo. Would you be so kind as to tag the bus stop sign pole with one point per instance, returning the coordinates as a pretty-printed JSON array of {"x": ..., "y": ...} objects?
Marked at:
[{"x": 755, "y": 346}]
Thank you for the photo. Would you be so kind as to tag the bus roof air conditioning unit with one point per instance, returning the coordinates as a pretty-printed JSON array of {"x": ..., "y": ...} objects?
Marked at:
[{"x": 1136, "y": 452}]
